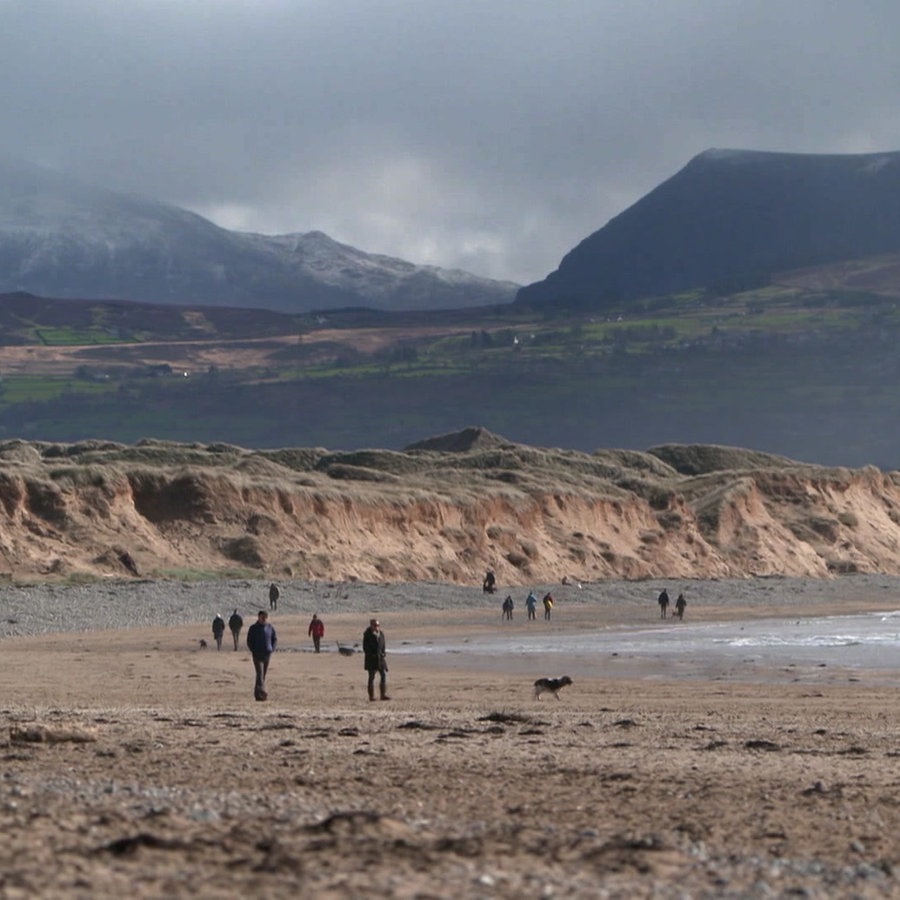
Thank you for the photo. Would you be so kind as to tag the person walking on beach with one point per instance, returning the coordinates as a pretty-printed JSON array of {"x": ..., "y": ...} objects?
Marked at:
[
  {"x": 274, "y": 594},
  {"x": 235, "y": 624},
  {"x": 548, "y": 606},
  {"x": 663, "y": 601},
  {"x": 508, "y": 607},
  {"x": 375, "y": 658},
  {"x": 680, "y": 604},
  {"x": 316, "y": 630},
  {"x": 531, "y": 605},
  {"x": 218, "y": 627},
  {"x": 489, "y": 585},
  {"x": 261, "y": 642}
]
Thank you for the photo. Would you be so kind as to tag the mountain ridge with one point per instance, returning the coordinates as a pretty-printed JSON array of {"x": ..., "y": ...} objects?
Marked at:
[
  {"x": 64, "y": 238},
  {"x": 729, "y": 218}
]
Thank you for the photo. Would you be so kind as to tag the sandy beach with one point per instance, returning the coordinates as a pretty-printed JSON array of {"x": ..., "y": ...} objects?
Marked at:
[{"x": 136, "y": 761}]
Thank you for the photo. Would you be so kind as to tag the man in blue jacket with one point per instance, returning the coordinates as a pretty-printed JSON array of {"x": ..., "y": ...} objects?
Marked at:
[{"x": 261, "y": 642}]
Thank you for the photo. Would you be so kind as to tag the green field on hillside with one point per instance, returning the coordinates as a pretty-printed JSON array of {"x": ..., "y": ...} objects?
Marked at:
[{"x": 809, "y": 375}]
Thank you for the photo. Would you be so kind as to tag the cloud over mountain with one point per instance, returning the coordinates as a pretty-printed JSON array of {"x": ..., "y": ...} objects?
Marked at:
[{"x": 64, "y": 238}]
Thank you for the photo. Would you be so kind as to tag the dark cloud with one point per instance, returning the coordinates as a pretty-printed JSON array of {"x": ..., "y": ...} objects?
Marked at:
[{"x": 490, "y": 136}]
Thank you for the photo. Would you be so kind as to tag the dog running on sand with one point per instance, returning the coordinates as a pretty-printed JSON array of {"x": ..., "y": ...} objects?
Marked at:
[{"x": 550, "y": 686}]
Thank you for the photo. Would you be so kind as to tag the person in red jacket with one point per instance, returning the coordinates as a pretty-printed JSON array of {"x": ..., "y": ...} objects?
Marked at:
[{"x": 316, "y": 630}]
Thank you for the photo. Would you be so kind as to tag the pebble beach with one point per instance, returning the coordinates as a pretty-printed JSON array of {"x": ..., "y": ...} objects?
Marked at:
[{"x": 45, "y": 608}]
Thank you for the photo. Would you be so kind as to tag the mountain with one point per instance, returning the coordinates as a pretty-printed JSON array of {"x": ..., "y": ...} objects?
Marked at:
[
  {"x": 732, "y": 218},
  {"x": 63, "y": 238},
  {"x": 384, "y": 282}
]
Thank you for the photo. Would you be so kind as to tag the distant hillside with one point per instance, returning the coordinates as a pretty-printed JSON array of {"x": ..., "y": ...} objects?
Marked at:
[
  {"x": 731, "y": 219},
  {"x": 871, "y": 275},
  {"x": 62, "y": 238},
  {"x": 803, "y": 373},
  {"x": 27, "y": 320}
]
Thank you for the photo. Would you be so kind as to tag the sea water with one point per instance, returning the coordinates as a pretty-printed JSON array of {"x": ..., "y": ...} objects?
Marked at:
[{"x": 869, "y": 641}]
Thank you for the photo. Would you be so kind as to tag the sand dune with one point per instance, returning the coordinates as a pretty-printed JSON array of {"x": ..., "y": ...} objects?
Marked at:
[{"x": 157, "y": 509}]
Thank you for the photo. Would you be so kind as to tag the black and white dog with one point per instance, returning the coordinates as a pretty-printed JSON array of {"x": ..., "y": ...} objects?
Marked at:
[{"x": 551, "y": 686}]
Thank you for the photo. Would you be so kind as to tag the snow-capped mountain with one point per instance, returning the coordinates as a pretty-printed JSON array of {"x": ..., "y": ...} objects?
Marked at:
[
  {"x": 386, "y": 282},
  {"x": 63, "y": 238}
]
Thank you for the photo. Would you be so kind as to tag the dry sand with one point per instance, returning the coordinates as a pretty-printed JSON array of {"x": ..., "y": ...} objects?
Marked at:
[{"x": 136, "y": 763}]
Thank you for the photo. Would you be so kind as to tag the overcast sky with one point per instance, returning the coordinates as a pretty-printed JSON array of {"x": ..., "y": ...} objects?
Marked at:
[{"x": 490, "y": 135}]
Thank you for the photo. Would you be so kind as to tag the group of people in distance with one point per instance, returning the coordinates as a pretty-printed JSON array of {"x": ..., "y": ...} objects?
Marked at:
[
  {"x": 531, "y": 602},
  {"x": 663, "y": 601},
  {"x": 489, "y": 586},
  {"x": 262, "y": 641},
  {"x": 235, "y": 624}
]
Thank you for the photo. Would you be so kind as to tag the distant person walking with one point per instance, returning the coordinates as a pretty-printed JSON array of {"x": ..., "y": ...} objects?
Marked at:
[
  {"x": 218, "y": 628},
  {"x": 235, "y": 624},
  {"x": 316, "y": 631},
  {"x": 261, "y": 642},
  {"x": 548, "y": 606},
  {"x": 680, "y": 604},
  {"x": 507, "y": 607},
  {"x": 489, "y": 585},
  {"x": 663, "y": 601},
  {"x": 531, "y": 605},
  {"x": 375, "y": 658},
  {"x": 274, "y": 594}
]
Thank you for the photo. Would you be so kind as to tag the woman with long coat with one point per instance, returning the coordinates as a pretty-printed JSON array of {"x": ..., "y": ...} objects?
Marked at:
[{"x": 375, "y": 658}]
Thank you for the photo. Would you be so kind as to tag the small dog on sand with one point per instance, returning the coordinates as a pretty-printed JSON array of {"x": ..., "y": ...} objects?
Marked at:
[{"x": 551, "y": 686}]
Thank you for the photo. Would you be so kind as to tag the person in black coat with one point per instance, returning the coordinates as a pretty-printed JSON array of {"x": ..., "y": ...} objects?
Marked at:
[
  {"x": 375, "y": 661},
  {"x": 235, "y": 624},
  {"x": 663, "y": 601},
  {"x": 218, "y": 628}
]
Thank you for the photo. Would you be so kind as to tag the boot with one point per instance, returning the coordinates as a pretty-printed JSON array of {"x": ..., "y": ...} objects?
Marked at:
[
  {"x": 371, "y": 692},
  {"x": 384, "y": 694}
]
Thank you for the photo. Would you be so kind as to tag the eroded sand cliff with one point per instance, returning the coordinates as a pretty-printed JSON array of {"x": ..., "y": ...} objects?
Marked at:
[{"x": 443, "y": 510}]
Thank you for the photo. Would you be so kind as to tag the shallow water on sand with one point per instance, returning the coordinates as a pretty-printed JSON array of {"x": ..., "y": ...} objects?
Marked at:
[{"x": 869, "y": 643}]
